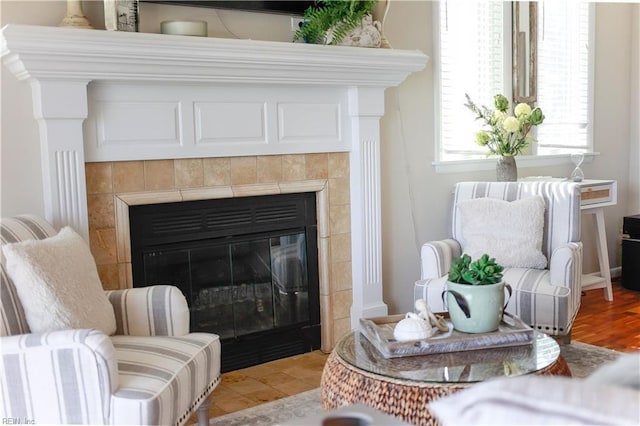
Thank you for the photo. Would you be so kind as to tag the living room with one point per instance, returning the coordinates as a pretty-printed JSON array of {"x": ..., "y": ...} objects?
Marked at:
[{"x": 414, "y": 191}]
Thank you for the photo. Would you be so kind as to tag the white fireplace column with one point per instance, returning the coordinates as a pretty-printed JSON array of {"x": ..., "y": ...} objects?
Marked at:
[
  {"x": 60, "y": 107},
  {"x": 366, "y": 107}
]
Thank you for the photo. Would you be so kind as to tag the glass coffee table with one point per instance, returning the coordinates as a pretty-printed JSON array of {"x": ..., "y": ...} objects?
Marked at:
[{"x": 356, "y": 372}]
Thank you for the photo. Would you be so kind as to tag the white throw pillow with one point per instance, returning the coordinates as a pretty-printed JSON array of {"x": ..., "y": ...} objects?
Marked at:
[
  {"x": 539, "y": 400},
  {"x": 509, "y": 231},
  {"x": 58, "y": 285}
]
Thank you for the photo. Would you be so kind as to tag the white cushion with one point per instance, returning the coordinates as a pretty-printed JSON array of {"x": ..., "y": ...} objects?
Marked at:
[
  {"x": 539, "y": 400},
  {"x": 58, "y": 285},
  {"x": 509, "y": 231}
]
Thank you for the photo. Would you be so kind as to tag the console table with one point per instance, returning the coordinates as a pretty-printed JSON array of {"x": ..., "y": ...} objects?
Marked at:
[{"x": 595, "y": 196}]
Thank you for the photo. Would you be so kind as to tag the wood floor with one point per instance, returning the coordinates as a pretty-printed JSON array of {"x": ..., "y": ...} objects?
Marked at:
[{"x": 615, "y": 325}]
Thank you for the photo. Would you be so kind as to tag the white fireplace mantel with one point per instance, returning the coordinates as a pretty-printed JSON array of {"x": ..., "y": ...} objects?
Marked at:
[{"x": 64, "y": 64}]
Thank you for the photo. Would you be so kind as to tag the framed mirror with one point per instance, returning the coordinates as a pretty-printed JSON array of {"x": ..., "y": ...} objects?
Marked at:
[{"x": 524, "y": 41}]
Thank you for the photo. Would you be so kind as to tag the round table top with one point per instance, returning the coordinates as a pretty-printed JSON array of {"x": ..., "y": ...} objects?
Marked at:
[{"x": 454, "y": 367}]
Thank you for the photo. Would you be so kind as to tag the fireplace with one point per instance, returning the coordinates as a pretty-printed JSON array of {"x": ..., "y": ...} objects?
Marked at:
[
  {"x": 247, "y": 266},
  {"x": 108, "y": 104}
]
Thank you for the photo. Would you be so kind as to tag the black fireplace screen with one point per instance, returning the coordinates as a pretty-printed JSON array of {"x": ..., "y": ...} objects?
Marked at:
[
  {"x": 248, "y": 268},
  {"x": 238, "y": 288}
]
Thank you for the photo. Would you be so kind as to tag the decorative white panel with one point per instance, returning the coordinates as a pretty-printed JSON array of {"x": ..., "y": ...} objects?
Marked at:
[
  {"x": 138, "y": 123},
  {"x": 230, "y": 122},
  {"x": 309, "y": 122}
]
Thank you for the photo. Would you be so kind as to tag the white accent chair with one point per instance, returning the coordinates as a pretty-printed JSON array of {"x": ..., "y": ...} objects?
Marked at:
[
  {"x": 546, "y": 299},
  {"x": 151, "y": 371}
]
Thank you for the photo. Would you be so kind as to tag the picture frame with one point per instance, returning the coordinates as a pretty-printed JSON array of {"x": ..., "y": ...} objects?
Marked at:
[{"x": 121, "y": 15}]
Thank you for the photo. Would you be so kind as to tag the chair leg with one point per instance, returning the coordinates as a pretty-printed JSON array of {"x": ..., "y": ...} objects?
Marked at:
[{"x": 203, "y": 412}]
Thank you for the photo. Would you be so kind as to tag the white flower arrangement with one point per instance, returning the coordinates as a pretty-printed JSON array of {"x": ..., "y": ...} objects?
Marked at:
[{"x": 505, "y": 135}]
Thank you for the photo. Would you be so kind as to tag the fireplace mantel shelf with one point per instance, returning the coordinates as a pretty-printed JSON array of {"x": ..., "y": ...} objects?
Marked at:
[{"x": 68, "y": 53}]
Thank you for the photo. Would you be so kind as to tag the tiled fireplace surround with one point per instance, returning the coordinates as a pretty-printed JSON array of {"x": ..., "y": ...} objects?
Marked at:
[
  {"x": 129, "y": 118},
  {"x": 113, "y": 186}
]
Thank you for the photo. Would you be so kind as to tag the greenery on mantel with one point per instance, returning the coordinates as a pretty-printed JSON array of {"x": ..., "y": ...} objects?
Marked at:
[{"x": 329, "y": 21}]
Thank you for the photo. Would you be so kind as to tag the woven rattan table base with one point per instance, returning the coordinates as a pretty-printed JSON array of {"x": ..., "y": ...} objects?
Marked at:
[{"x": 343, "y": 384}]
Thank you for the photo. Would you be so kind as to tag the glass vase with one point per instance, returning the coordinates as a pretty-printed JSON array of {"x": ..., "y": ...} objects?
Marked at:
[{"x": 506, "y": 169}]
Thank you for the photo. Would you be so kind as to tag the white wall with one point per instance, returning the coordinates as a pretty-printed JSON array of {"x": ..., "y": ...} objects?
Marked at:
[
  {"x": 634, "y": 81},
  {"x": 415, "y": 198}
]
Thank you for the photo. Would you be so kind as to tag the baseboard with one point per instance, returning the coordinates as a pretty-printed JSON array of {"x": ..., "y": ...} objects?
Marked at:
[{"x": 616, "y": 272}]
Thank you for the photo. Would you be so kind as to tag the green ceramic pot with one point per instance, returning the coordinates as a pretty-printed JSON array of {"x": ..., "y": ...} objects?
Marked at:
[{"x": 476, "y": 308}]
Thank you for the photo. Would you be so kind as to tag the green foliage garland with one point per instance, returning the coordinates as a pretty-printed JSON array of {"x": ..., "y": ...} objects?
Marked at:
[{"x": 340, "y": 16}]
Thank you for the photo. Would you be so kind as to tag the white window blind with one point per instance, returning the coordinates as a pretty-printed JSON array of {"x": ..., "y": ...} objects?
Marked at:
[
  {"x": 471, "y": 61},
  {"x": 474, "y": 44},
  {"x": 564, "y": 76}
]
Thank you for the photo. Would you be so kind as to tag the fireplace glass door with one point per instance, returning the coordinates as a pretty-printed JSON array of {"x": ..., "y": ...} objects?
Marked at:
[{"x": 238, "y": 288}]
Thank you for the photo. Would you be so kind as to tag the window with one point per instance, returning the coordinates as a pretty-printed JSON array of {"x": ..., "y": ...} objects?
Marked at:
[{"x": 473, "y": 40}]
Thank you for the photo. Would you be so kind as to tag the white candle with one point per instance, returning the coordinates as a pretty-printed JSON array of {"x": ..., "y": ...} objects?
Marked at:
[{"x": 188, "y": 28}]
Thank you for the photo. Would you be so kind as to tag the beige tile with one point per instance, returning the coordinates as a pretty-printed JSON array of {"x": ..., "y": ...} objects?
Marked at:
[
  {"x": 326, "y": 312},
  {"x": 340, "y": 248},
  {"x": 293, "y": 168},
  {"x": 253, "y": 190},
  {"x": 128, "y": 176},
  {"x": 247, "y": 385},
  {"x": 339, "y": 193},
  {"x": 109, "y": 276},
  {"x": 324, "y": 265},
  {"x": 99, "y": 178},
  {"x": 275, "y": 378},
  {"x": 101, "y": 211},
  {"x": 265, "y": 396},
  {"x": 339, "y": 219},
  {"x": 234, "y": 377},
  {"x": 292, "y": 388},
  {"x": 341, "y": 304},
  {"x": 316, "y": 166},
  {"x": 341, "y": 276},
  {"x": 269, "y": 168},
  {"x": 217, "y": 171},
  {"x": 341, "y": 327},
  {"x": 189, "y": 173},
  {"x": 301, "y": 371},
  {"x": 231, "y": 402},
  {"x": 339, "y": 165},
  {"x": 159, "y": 175},
  {"x": 103, "y": 246},
  {"x": 125, "y": 275},
  {"x": 243, "y": 170}
]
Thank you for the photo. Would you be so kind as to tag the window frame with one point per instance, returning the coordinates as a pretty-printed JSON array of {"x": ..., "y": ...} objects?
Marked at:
[{"x": 531, "y": 160}]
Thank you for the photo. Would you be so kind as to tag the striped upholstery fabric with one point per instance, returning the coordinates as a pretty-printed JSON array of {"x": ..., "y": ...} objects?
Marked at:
[
  {"x": 58, "y": 377},
  {"x": 547, "y": 299},
  {"x": 15, "y": 229},
  {"x": 159, "y": 374},
  {"x": 160, "y": 310},
  {"x": 151, "y": 372}
]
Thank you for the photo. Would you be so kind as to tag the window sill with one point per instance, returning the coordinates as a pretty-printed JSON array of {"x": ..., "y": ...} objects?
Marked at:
[{"x": 524, "y": 161}]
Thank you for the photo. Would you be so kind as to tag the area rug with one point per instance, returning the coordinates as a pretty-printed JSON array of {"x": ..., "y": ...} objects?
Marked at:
[{"x": 581, "y": 357}]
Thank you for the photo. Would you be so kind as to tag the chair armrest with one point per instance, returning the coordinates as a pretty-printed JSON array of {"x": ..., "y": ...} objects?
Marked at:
[
  {"x": 159, "y": 310},
  {"x": 565, "y": 266},
  {"x": 436, "y": 257},
  {"x": 65, "y": 376}
]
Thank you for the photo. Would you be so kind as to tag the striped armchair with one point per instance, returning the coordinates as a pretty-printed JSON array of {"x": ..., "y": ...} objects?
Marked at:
[
  {"x": 152, "y": 371},
  {"x": 547, "y": 299}
]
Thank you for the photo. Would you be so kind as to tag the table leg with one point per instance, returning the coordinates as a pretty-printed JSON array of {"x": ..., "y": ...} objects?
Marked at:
[{"x": 603, "y": 254}]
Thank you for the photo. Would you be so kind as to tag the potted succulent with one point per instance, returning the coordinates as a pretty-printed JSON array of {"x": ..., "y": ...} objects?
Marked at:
[
  {"x": 475, "y": 294},
  {"x": 330, "y": 21}
]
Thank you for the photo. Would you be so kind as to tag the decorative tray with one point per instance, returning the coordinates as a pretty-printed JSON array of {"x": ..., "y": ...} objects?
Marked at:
[{"x": 379, "y": 331}]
